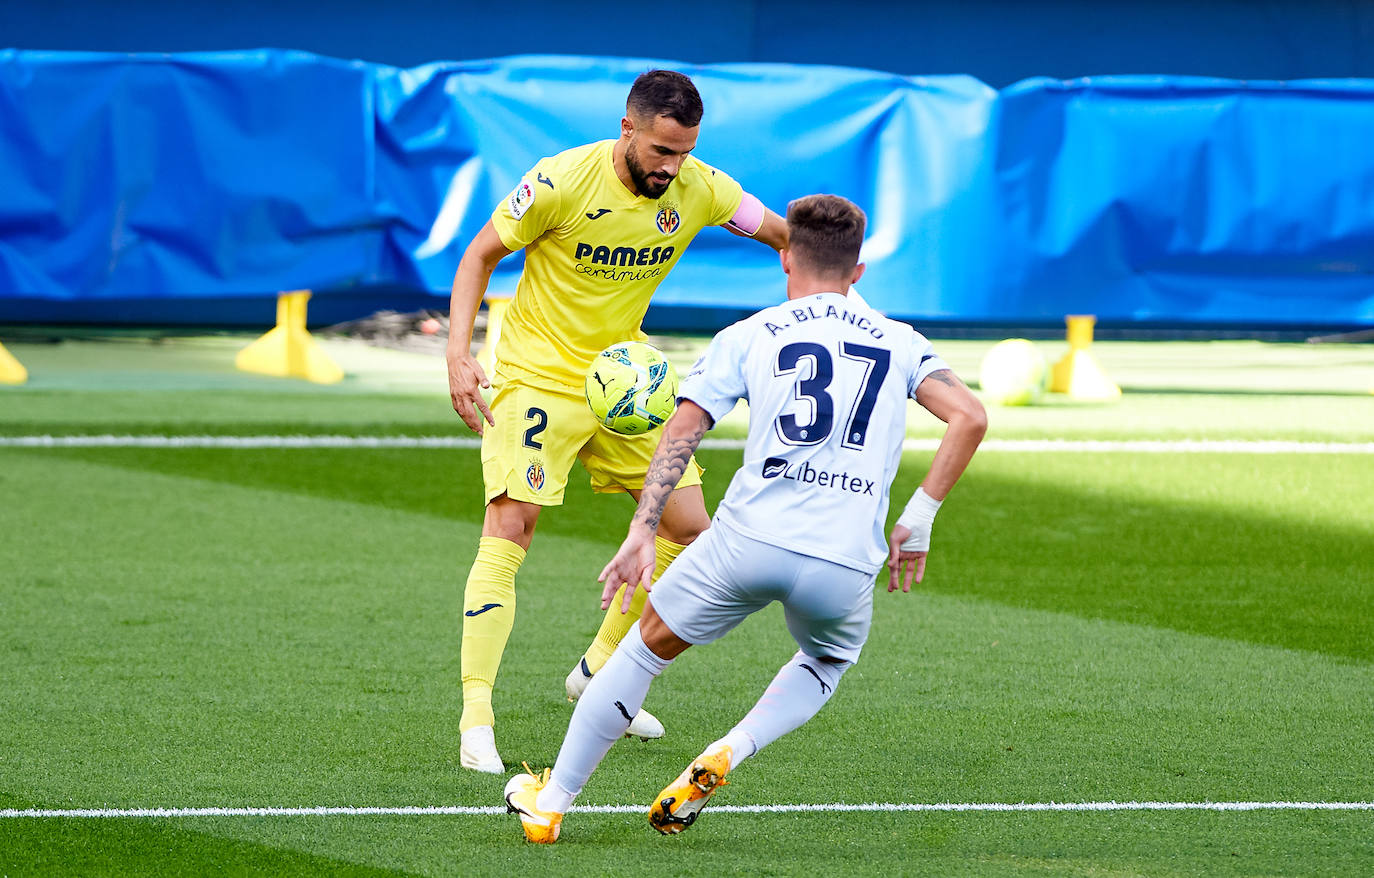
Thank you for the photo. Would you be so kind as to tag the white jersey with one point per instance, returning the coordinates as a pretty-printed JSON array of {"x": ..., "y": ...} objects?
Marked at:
[{"x": 827, "y": 379}]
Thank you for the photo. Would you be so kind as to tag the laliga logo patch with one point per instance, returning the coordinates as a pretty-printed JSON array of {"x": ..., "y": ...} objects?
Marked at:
[
  {"x": 521, "y": 199},
  {"x": 667, "y": 220},
  {"x": 535, "y": 475}
]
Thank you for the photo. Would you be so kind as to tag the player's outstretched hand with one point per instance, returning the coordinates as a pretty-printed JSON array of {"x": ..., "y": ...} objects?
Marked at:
[
  {"x": 902, "y": 565},
  {"x": 632, "y": 566},
  {"x": 466, "y": 378}
]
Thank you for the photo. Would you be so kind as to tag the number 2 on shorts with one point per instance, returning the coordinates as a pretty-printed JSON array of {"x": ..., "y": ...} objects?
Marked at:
[{"x": 541, "y": 419}]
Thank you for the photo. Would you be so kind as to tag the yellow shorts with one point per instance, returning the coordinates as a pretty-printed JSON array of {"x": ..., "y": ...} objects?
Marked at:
[{"x": 529, "y": 451}]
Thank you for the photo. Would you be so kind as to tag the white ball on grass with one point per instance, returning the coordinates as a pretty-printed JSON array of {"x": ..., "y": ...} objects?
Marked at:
[{"x": 1013, "y": 372}]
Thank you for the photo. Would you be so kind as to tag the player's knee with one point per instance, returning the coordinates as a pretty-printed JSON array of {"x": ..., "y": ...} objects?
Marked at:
[
  {"x": 512, "y": 520},
  {"x": 655, "y": 634},
  {"x": 685, "y": 526},
  {"x": 826, "y": 669},
  {"x": 684, "y": 517},
  {"x": 836, "y": 665},
  {"x": 683, "y": 535}
]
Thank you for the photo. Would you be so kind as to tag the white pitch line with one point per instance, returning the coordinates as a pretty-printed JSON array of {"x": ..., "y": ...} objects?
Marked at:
[
  {"x": 1167, "y": 446},
  {"x": 466, "y": 811},
  {"x": 108, "y": 441},
  {"x": 1134, "y": 446}
]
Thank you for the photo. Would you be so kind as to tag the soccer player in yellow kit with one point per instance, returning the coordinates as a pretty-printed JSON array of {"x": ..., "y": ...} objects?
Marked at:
[{"x": 601, "y": 225}]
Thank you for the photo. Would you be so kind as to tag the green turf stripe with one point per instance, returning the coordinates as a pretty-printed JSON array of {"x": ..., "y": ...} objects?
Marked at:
[
  {"x": 1129, "y": 446},
  {"x": 810, "y": 808}
]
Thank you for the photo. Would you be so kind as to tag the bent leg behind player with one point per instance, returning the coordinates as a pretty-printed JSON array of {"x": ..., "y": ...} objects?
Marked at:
[
  {"x": 719, "y": 580},
  {"x": 617, "y": 463},
  {"x": 527, "y": 456}
]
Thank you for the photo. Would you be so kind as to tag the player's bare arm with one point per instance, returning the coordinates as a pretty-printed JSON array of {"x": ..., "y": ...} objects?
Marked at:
[
  {"x": 949, "y": 399},
  {"x": 466, "y": 378},
  {"x": 634, "y": 562}
]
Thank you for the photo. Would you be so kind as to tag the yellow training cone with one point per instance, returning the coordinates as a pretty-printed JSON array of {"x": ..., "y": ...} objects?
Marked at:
[
  {"x": 287, "y": 350},
  {"x": 1077, "y": 373},
  {"x": 11, "y": 370}
]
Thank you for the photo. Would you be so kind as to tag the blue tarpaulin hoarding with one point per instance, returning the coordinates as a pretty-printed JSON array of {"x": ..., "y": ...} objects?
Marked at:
[{"x": 144, "y": 184}]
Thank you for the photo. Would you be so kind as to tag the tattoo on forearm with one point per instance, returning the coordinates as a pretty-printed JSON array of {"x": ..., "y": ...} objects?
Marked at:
[{"x": 665, "y": 470}]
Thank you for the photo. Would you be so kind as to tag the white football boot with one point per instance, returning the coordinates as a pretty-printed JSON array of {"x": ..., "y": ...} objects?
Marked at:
[
  {"x": 644, "y": 725},
  {"x": 522, "y": 797},
  {"x": 478, "y": 751}
]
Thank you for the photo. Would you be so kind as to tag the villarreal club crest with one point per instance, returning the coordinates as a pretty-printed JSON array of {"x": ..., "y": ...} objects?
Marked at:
[
  {"x": 668, "y": 220},
  {"x": 535, "y": 475}
]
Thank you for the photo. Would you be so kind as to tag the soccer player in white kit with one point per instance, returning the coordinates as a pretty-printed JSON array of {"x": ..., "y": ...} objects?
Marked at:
[{"x": 827, "y": 379}]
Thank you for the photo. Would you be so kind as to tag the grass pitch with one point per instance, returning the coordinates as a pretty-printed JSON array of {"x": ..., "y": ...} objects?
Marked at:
[{"x": 210, "y": 627}]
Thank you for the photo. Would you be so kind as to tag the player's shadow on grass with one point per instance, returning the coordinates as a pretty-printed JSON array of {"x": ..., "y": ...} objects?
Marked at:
[
  {"x": 1087, "y": 550},
  {"x": 149, "y": 846}
]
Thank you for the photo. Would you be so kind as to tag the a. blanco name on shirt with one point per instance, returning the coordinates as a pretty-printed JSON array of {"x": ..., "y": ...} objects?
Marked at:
[{"x": 812, "y": 312}]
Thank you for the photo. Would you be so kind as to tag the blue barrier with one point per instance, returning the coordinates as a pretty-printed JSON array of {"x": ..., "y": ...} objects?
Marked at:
[
  {"x": 138, "y": 185},
  {"x": 1168, "y": 199},
  {"x": 186, "y": 175}
]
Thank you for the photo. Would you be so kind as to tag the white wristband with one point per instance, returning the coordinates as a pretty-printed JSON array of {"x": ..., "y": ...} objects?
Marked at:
[{"x": 918, "y": 517}]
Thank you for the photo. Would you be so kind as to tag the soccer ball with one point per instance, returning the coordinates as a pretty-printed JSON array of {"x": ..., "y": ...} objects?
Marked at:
[
  {"x": 631, "y": 387},
  {"x": 1013, "y": 373}
]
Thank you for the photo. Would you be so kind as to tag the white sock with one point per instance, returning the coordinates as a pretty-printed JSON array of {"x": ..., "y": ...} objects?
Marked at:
[
  {"x": 797, "y": 693},
  {"x": 603, "y": 714},
  {"x": 554, "y": 798},
  {"x": 741, "y": 744}
]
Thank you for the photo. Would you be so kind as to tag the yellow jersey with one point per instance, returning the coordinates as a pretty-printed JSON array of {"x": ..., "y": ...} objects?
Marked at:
[{"x": 594, "y": 254}]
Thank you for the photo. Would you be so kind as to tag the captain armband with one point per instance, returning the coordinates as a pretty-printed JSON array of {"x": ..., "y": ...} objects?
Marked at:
[{"x": 748, "y": 219}]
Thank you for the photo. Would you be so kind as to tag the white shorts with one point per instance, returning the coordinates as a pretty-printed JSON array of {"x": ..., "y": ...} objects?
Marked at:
[{"x": 724, "y": 576}]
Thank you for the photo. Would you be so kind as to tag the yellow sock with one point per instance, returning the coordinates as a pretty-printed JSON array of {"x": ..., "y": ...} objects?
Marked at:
[
  {"x": 488, "y": 614},
  {"x": 616, "y": 624}
]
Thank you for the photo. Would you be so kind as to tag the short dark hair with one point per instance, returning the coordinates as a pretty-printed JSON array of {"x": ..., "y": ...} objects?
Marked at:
[
  {"x": 825, "y": 233},
  {"x": 665, "y": 93}
]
